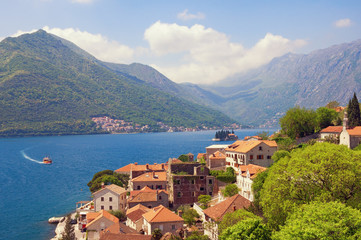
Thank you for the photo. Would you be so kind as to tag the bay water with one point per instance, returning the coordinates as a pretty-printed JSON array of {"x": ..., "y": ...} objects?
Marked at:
[{"x": 32, "y": 192}]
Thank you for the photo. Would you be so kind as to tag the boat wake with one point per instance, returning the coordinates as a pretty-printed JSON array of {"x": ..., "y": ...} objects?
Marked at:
[{"x": 29, "y": 158}]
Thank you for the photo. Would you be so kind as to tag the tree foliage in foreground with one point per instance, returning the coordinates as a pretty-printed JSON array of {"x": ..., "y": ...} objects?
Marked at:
[
  {"x": 332, "y": 220},
  {"x": 231, "y": 218},
  {"x": 249, "y": 229},
  {"x": 321, "y": 172},
  {"x": 230, "y": 190},
  {"x": 68, "y": 233}
]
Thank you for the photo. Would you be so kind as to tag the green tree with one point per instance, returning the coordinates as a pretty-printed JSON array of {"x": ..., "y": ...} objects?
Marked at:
[
  {"x": 280, "y": 154},
  {"x": 183, "y": 158},
  {"x": 298, "y": 122},
  {"x": 190, "y": 216},
  {"x": 332, "y": 220},
  {"x": 249, "y": 229},
  {"x": 230, "y": 190},
  {"x": 68, "y": 233},
  {"x": 107, "y": 177},
  {"x": 231, "y": 218},
  {"x": 325, "y": 117},
  {"x": 264, "y": 135},
  {"x": 321, "y": 172},
  {"x": 257, "y": 187},
  {"x": 157, "y": 234},
  {"x": 204, "y": 200},
  {"x": 332, "y": 105},
  {"x": 119, "y": 214},
  {"x": 353, "y": 112},
  {"x": 197, "y": 236}
]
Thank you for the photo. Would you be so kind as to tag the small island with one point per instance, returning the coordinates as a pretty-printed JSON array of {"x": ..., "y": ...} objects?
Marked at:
[{"x": 225, "y": 135}]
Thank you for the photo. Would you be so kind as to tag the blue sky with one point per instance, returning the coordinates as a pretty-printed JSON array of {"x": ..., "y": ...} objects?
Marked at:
[{"x": 189, "y": 41}]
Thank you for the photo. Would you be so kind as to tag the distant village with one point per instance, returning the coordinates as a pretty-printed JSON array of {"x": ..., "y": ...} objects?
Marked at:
[
  {"x": 156, "y": 191},
  {"x": 120, "y": 126}
]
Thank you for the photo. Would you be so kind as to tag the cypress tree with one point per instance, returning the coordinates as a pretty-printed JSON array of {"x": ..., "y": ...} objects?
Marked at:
[{"x": 353, "y": 112}]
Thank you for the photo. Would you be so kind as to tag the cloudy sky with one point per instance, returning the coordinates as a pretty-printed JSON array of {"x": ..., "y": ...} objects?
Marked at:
[{"x": 199, "y": 41}]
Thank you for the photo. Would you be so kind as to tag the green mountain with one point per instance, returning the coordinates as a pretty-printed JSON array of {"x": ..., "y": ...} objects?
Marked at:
[{"x": 50, "y": 86}]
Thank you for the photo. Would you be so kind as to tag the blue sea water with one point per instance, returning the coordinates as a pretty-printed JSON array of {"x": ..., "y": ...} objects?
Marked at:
[{"x": 32, "y": 192}]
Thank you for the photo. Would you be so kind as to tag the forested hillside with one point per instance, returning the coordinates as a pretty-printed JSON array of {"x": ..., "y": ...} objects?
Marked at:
[{"x": 48, "y": 88}]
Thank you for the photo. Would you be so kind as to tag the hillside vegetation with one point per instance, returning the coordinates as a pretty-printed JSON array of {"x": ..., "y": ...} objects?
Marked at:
[{"x": 48, "y": 88}]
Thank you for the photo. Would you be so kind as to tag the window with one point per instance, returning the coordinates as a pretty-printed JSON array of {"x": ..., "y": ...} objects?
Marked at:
[
  {"x": 259, "y": 156},
  {"x": 160, "y": 197},
  {"x": 210, "y": 181},
  {"x": 201, "y": 189},
  {"x": 194, "y": 194},
  {"x": 110, "y": 207},
  {"x": 193, "y": 182},
  {"x": 102, "y": 199},
  {"x": 268, "y": 157},
  {"x": 173, "y": 227},
  {"x": 138, "y": 187},
  {"x": 260, "y": 148},
  {"x": 102, "y": 207},
  {"x": 110, "y": 199},
  {"x": 201, "y": 177},
  {"x": 179, "y": 194},
  {"x": 251, "y": 157}
]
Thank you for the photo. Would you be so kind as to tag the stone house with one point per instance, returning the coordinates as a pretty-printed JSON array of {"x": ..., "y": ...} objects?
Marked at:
[
  {"x": 214, "y": 148},
  {"x": 217, "y": 161},
  {"x": 153, "y": 180},
  {"x": 216, "y": 213},
  {"x": 187, "y": 181},
  {"x": 99, "y": 221},
  {"x": 162, "y": 218},
  {"x": 245, "y": 176},
  {"x": 331, "y": 132},
  {"x": 135, "y": 217},
  {"x": 110, "y": 197},
  {"x": 148, "y": 197},
  {"x": 258, "y": 152}
]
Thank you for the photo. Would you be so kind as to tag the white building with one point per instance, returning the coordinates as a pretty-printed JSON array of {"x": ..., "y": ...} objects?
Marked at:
[{"x": 245, "y": 177}]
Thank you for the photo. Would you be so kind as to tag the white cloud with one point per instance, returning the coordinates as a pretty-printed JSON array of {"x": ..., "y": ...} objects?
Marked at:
[
  {"x": 346, "y": 22},
  {"x": 188, "y": 16},
  {"x": 96, "y": 44},
  {"x": 208, "y": 55},
  {"x": 184, "y": 54}
]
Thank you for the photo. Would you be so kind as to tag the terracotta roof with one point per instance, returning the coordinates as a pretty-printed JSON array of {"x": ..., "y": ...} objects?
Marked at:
[
  {"x": 174, "y": 160},
  {"x": 229, "y": 205},
  {"x": 139, "y": 206},
  {"x": 136, "y": 167},
  {"x": 114, "y": 188},
  {"x": 201, "y": 155},
  {"x": 145, "y": 195},
  {"x": 356, "y": 131},
  {"x": 161, "y": 214},
  {"x": 250, "y": 137},
  {"x": 332, "y": 129},
  {"x": 217, "y": 155},
  {"x": 119, "y": 228},
  {"x": 252, "y": 169},
  {"x": 137, "y": 214},
  {"x": 103, "y": 213},
  {"x": 120, "y": 236},
  {"x": 151, "y": 177},
  {"x": 90, "y": 216},
  {"x": 246, "y": 146}
]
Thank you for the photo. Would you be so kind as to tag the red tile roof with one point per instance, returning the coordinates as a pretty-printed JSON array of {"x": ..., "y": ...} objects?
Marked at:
[
  {"x": 246, "y": 146},
  {"x": 102, "y": 213},
  {"x": 201, "y": 155},
  {"x": 151, "y": 177},
  {"x": 161, "y": 214},
  {"x": 253, "y": 170},
  {"x": 136, "y": 167},
  {"x": 332, "y": 129},
  {"x": 217, "y": 155},
  {"x": 145, "y": 195},
  {"x": 139, "y": 206},
  {"x": 229, "y": 205},
  {"x": 119, "y": 236},
  {"x": 356, "y": 131},
  {"x": 250, "y": 137}
]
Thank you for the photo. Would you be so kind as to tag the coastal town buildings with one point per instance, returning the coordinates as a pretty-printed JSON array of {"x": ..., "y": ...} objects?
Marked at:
[
  {"x": 135, "y": 217},
  {"x": 245, "y": 177},
  {"x": 187, "y": 181},
  {"x": 257, "y": 152},
  {"x": 99, "y": 221},
  {"x": 153, "y": 180},
  {"x": 162, "y": 218},
  {"x": 110, "y": 197},
  {"x": 217, "y": 161},
  {"x": 214, "y": 214},
  {"x": 148, "y": 197},
  {"x": 134, "y": 169}
]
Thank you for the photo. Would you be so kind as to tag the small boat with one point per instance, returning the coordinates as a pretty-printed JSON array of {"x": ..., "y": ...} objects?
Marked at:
[{"x": 47, "y": 160}]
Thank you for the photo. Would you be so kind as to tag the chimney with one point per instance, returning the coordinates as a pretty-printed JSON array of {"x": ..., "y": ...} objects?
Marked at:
[
  {"x": 147, "y": 166},
  {"x": 135, "y": 163},
  {"x": 162, "y": 165},
  {"x": 103, "y": 185}
]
